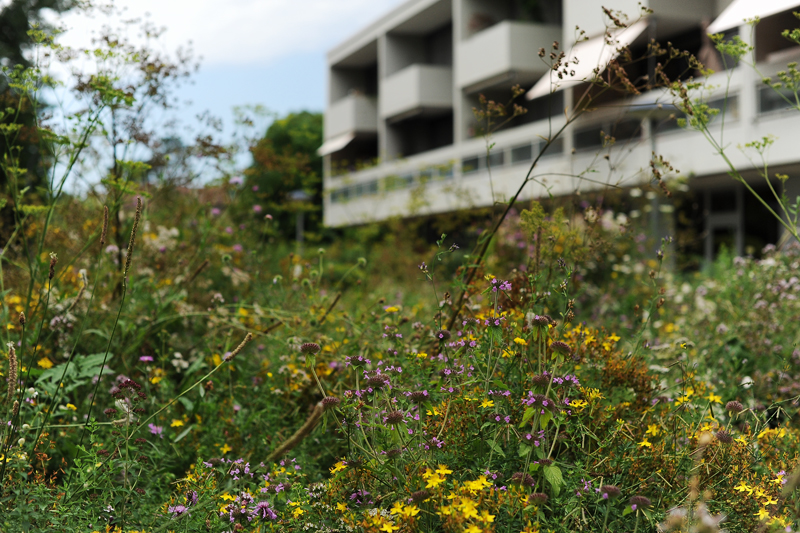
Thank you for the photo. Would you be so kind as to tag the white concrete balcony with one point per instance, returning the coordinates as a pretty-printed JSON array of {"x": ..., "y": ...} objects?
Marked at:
[
  {"x": 417, "y": 89},
  {"x": 352, "y": 114},
  {"x": 506, "y": 53}
]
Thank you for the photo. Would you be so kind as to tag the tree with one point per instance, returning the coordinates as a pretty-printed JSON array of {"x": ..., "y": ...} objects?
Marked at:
[{"x": 285, "y": 163}]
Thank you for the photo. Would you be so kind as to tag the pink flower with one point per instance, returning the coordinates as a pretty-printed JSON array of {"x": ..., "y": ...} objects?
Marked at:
[{"x": 256, "y": 208}]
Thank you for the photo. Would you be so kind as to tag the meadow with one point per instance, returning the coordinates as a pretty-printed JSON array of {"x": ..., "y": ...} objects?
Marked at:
[{"x": 174, "y": 362}]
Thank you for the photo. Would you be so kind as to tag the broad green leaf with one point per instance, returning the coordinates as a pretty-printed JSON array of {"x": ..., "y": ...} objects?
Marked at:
[
  {"x": 553, "y": 475},
  {"x": 524, "y": 449},
  {"x": 494, "y": 446},
  {"x": 529, "y": 412},
  {"x": 546, "y": 417},
  {"x": 183, "y": 433}
]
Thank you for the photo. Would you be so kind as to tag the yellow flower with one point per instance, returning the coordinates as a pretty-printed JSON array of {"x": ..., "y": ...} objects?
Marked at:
[
  {"x": 397, "y": 507},
  {"x": 770, "y": 501},
  {"x": 445, "y": 510},
  {"x": 298, "y": 512},
  {"x": 176, "y": 423},
  {"x": 652, "y": 429},
  {"x": 443, "y": 470},
  {"x": 742, "y": 487},
  {"x": 713, "y": 398},
  {"x": 589, "y": 339},
  {"x": 434, "y": 481},
  {"x": 522, "y": 342},
  {"x": 341, "y": 507},
  {"x": 434, "y": 412},
  {"x": 741, "y": 439},
  {"x": 613, "y": 337},
  {"x": 487, "y": 403},
  {"x": 473, "y": 529},
  {"x": 392, "y": 309},
  {"x": 389, "y": 527},
  {"x": 578, "y": 404},
  {"x": 409, "y": 511},
  {"x": 644, "y": 443},
  {"x": 762, "y": 514},
  {"x": 486, "y": 517},
  {"x": 45, "y": 363},
  {"x": 338, "y": 466},
  {"x": 478, "y": 484},
  {"x": 226, "y": 496},
  {"x": 422, "y": 355},
  {"x": 225, "y": 449},
  {"x": 71, "y": 407}
]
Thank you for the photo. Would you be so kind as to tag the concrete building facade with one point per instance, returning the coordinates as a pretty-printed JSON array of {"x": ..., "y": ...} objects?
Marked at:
[{"x": 401, "y": 138}]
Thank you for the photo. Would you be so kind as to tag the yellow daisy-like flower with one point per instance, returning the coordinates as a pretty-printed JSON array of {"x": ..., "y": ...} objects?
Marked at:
[
  {"x": 338, "y": 466},
  {"x": 478, "y": 484},
  {"x": 176, "y": 423},
  {"x": 443, "y": 470},
  {"x": 487, "y": 403},
  {"x": 422, "y": 355},
  {"x": 225, "y": 449},
  {"x": 71, "y": 407},
  {"x": 45, "y": 363},
  {"x": 645, "y": 443},
  {"x": 392, "y": 309},
  {"x": 473, "y": 529},
  {"x": 762, "y": 514},
  {"x": 521, "y": 342},
  {"x": 653, "y": 429},
  {"x": 742, "y": 487},
  {"x": 341, "y": 507}
]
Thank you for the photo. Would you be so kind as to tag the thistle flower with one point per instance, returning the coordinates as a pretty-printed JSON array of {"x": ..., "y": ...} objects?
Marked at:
[
  {"x": 542, "y": 321},
  {"x": 561, "y": 347},
  {"x": 442, "y": 335},
  {"x": 53, "y": 261},
  {"x": 610, "y": 491},
  {"x": 309, "y": 347},
  {"x": 541, "y": 379},
  {"x": 640, "y": 502},
  {"x": 377, "y": 382},
  {"x": 418, "y": 396},
  {"x": 734, "y": 407},
  {"x": 22, "y": 319},
  {"x": 723, "y": 436},
  {"x": 330, "y": 402}
]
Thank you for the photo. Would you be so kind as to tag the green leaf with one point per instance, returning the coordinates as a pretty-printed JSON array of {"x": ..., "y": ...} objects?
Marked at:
[
  {"x": 183, "y": 433},
  {"x": 553, "y": 476},
  {"x": 627, "y": 510},
  {"x": 524, "y": 449},
  {"x": 546, "y": 417},
  {"x": 494, "y": 446},
  {"x": 187, "y": 403},
  {"x": 529, "y": 412}
]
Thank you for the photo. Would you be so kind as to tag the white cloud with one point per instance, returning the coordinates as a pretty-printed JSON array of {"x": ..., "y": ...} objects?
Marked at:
[{"x": 245, "y": 32}]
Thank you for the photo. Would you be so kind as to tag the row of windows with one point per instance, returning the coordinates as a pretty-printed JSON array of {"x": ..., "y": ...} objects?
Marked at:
[{"x": 591, "y": 137}]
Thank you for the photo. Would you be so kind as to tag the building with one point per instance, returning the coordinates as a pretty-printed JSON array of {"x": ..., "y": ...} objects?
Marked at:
[{"x": 401, "y": 138}]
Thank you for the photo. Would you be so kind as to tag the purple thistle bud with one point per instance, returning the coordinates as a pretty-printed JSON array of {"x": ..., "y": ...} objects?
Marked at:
[
  {"x": 538, "y": 498},
  {"x": 734, "y": 407},
  {"x": 641, "y": 502},
  {"x": 561, "y": 347},
  {"x": 610, "y": 491},
  {"x": 309, "y": 347}
]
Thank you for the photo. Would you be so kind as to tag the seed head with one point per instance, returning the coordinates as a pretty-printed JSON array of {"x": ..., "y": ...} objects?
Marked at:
[
  {"x": 12, "y": 371},
  {"x": 136, "y": 218},
  {"x": 309, "y": 347},
  {"x": 330, "y": 402},
  {"x": 418, "y": 396},
  {"x": 561, "y": 347},
  {"x": 545, "y": 462},
  {"x": 610, "y": 491},
  {"x": 641, "y": 502},
  {"x": 420, "y": 495},
  {"x": 522, "y": 479},
  {"x": 377, "y": 382},
  {"x": 394, "y": 417},
  {"x": 442, "y": 335},
  {"x": 541, "y": 379},
  {"x": 538, "y": 498},
  {"x": 239, "y": 348},
  {"x": 723, "y": 436},
  {"x": 22, "y": 319},
  {"x": 734, "y": 407},
  {"x": 53, "y": 261},
  {"x": 104, "y": 233}
]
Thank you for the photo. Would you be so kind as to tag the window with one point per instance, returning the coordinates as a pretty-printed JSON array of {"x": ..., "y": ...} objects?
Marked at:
[
  {"x": 521, "y": 154},
  {"x": 470, "y": 164},
  {"x": 595, "y": 136},
  {"x": 496, "y": 158},
  {"x": 770, "y": 100}
]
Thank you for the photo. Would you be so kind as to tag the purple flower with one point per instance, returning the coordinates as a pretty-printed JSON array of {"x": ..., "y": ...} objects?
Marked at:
[
  {"x": 146, "y": 358},
  {"x": 177, "y": 510},
  {"x": 257, "y": 208},
  {"x": 215, "y": 211},
  {"x": 255, "y": 188},
  {"x": 263, "y": 510},
  {"x": 236, "y": 180},
  {"x": 237, "y": 248},
  {"x": 229, "y": 230},
  {"x": 156, "y": 430}
]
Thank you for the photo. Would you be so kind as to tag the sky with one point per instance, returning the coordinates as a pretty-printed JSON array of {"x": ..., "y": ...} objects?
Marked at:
[{"x": 267, "y": 52}]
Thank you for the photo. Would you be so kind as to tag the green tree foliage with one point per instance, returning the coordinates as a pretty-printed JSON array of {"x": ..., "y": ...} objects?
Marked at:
[{"x": 285, "y": 161}]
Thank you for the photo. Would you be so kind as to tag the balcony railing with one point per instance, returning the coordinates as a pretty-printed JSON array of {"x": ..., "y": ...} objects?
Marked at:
[
  {"x": 415, "y": 89},
  {"x": 355, "y": 113}
]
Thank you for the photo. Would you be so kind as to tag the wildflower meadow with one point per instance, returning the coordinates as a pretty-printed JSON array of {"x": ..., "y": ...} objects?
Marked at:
[{"x": 174, "y": 361}]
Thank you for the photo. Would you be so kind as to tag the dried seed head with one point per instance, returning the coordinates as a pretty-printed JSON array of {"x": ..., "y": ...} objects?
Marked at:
[
  {"x": 541, "y": 379},
  {"x": 330, "y": 402},
  {"x": 610, "y": 491},
  {"x": 734, "y": 407},
  {"x": 542, "y": 321},
  {"x": 561, "y": 347},
  {"x": 641, "y": 502},
  {"x": 394, "y": 417},
  {"x": 538, "y": 498},
  {"x": 239, "y": 348},
  {"x": 309, "y": 347},
  {"x": 545, "y": 462},
  {"x": 723, "y": 436},
  {"x": 15, "y": 409},
  {"x": 21, "y": 319},
  {"x": 104, "y": 232},
  {"x": 136, "y": 218}
]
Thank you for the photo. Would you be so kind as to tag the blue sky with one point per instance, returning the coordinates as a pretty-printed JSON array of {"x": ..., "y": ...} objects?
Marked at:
[{"x": 267, "y": 52}]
